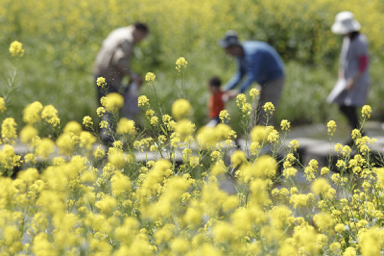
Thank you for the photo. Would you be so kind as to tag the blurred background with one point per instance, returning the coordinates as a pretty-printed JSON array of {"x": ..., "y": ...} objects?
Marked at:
[{"x": 61, "y": 40}]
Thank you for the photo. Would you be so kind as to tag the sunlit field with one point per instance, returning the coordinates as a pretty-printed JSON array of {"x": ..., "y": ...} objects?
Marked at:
[
  {"x": 62, "y": 40},
  {"x": 167, "y": 184}
]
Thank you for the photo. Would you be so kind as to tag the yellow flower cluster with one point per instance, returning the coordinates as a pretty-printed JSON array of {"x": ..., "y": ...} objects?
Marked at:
[
  {"x": 50, "y": 115},
  {"x": 150, "y": 77},
  {"x": 269, "y": 108},
  {"x": 31, "y": 113},
  {"x": 107, "y": 203},
  {"x": 181, "y": 63},
  {"x": 8, "y": 130},
  {"x": 212, "y": 137},
  {"x": 366, "y": 111},
  {"x": 285, "y": 125},
  {"x": 73, "y": 127},
  {"x": 185, "y": 128},
  {"x": 2, "y": 105},
  {"x": 224, "y": 116},
  {"x": 87, "y": 140},
  {"x": 100, "y": 111},
  {"x": 16, "y": 49},
  {"x": 294, "y": 144},
  {"x": 8, "y": 158},
  {"x": 27, "y": 134},
  {"x": 322, "y": 187},
  {"x": 87, "y": 121},
  {"x": 259, "y": 134},
  {"x": 126, "y": 126},
  {"x": 112, "y": 102},
  {"x": 238, "y": 158},
  {"x": 253, "y": 93},
  {"x": 101, "y": 82},
  {"x": 331, "y": 127},
  {"x": 181, "y": 108},
  {"x": 142, "y": 101}
]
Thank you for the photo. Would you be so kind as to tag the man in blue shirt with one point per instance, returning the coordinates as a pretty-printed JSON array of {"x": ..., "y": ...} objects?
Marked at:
[{"x": 260, "y": 63}]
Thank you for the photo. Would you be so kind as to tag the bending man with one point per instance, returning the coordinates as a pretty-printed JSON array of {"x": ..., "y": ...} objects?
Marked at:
[
  {"x": 113, "y": 63},
  {"x": 260, "y": 63}
]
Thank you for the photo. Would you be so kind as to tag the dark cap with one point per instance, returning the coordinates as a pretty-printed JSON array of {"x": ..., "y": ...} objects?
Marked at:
[{"x": 230, "y": 38}]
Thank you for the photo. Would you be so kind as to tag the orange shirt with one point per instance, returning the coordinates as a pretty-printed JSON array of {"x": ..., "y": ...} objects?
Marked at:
[{"x": 215, "y": 104}]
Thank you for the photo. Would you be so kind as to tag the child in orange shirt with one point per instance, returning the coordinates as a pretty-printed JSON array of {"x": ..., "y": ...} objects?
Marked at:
[{"x": 216, "y": 101}]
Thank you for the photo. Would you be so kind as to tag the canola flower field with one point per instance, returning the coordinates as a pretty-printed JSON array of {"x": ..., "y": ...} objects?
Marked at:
[
  {"x": 62, "y": 40},
  {"x": 69, "y": 198}
]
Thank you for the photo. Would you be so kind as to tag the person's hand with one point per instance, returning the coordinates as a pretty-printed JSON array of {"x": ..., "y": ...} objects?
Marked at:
[
  {"x": 138, "y": 80},
  {"x": 231, "y": 94},
  {"x": 341, "y": 73},
  {"x": 350, "y": 84}
]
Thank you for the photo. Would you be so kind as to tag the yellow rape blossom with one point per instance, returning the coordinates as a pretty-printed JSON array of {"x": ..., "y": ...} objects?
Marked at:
[
  {"x": 50, "y": 115},
  {"x": 259, "y": 134},
  {"x": 240, "y": 100},
  {"x": 28, "y": 133},
  {"x": 181, "y": 108},
  {"x": 87, "y": 121},
  {"x": 100, "y": 111},
  {"x": 8, "y": 130},
  {"x": 285, "y": 125},
  {"x": 45, "y": 147},
  {"x": 185, "y": 128},
  {"x": 65, "y": 144},
  {"x": 294, "y": 144},
  {"x": 269, "y": 108},
  {"x": 238, "y": 158},
  {"x": 181, "y": 63},
  {"x": 126, "y": 126},
  {"x": 150, "y": 77},
  {"x": 331, "y": 127},
  {"x": 87, "y": 140},
  {"x": 101, "y": 82},
  {"x": 117, "y": 159},
  {"x": 106, "y": 205},
  {"x": 16, "y": 49},
  {"x": 253, "y": 93},
  {"x": 350, "y": 251},
  {"x": 103, "y": 124},
  {"x": 224, "y": 116},
  {"x": 366, "y": 111},
  {"x": 99, "y": 152},
  {"x": 339, "y": 228},
  {"x": 289, "y": 172},
  {"x": 31, "y": 113},
  {"x": 142, "y": 101},
  {"x": 113, "y": 102},
  {"x": 149, "y": 113},
  {"x": 2, "y": 105},
  {"x": 154, "y": 120},
  {"x": 73, "y": 127},
  {"x": 320, "y": 186},
  {"x": 273, "y": 136}
]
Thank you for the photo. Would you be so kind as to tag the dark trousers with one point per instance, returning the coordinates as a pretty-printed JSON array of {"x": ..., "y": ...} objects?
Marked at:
[
  {"x": 350, "y": 113},
  {"x": 104, "y": 132}
]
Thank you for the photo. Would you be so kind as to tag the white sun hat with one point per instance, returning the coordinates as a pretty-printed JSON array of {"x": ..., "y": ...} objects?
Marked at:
[{"x": 345, "y": 23}]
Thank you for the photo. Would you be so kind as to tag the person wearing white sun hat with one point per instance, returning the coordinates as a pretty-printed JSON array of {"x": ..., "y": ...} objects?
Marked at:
[{"x": 352, "y": 88}]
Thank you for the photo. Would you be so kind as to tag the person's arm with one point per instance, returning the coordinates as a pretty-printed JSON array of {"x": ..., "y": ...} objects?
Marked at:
[
  {"x": 252, "y": 73},
  {"x": 248, "y": 82},
  {"x": 121, "y": 60},
  {"x": 236, "y": 78}
]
